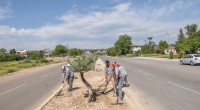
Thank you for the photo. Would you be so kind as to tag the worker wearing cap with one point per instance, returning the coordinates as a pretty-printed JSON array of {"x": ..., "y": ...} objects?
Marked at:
[
  {"x": 63, "y": 69},
  {"x": 124, "y": 75},
  {"x": 119, "y": 82},
  {"x": 108, "y": 72},
  {"x": 69, "y": 77}
]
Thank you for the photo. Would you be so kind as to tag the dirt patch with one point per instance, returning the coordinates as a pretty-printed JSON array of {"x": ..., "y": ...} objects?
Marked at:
[{"x": 75, "y": 100}]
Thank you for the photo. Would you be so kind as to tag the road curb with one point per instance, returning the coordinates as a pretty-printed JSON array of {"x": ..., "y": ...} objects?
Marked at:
[{"x": 45, "y": 102}]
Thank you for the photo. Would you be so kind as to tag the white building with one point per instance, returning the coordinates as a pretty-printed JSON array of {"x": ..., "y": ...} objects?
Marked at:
[
  {"x": 171, "y": 48},
  {"x": 136, "y": 48}
]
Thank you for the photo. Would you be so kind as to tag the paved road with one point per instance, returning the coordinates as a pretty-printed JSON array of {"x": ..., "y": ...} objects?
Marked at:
[
  {"x": 163, "y": 84},
  {"x": 26, "y": 90}
]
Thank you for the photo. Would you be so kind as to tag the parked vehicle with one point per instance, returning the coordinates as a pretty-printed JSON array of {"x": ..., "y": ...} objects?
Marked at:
[{"x": 192, "y": 59}]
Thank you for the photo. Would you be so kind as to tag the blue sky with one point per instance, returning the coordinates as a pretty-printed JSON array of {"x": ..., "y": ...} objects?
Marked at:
[{"x": 40, "y": 24}]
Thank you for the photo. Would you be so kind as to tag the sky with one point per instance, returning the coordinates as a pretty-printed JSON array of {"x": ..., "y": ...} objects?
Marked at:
[{"x": 91, "y": 24}]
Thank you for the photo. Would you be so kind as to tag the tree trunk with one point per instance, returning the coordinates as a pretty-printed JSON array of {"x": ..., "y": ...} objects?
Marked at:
[{"x": 91, "y": 96}]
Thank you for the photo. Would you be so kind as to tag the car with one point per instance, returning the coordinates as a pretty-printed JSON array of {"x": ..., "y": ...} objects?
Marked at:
[{"x": 192, "y": 59}]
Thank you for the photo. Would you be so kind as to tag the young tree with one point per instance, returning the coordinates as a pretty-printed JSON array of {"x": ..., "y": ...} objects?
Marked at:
[
  {"x": 82, "y": 65},
  {"x": 149, "y": 48},
  {"x": 123, "y": 45}
]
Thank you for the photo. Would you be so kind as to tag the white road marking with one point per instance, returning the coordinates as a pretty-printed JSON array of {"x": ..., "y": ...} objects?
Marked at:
[
  {"x": 184, "y": 87},
  {"x": 12, "y": 76},
  {"x": 12, "y": 89},
  {"x": 46, "y": 75},
  {"x": 148, "y": 74}
]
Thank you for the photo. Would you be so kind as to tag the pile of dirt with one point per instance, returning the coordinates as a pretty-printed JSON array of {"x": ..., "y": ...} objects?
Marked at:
[{"x": 75, "y": 100}]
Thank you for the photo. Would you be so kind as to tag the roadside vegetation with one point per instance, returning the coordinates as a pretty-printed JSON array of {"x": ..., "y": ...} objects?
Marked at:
[
  {"x": 188, "y": 41},
  {"x": 13, "y": 66},
  {"x": 12, "y": 61}
]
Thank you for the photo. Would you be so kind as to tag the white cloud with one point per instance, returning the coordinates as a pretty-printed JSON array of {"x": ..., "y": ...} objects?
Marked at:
[{"x": 98, "y": 29}]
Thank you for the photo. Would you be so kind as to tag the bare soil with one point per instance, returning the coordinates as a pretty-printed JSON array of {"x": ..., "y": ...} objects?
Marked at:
[{"x": 75, "y": 100}]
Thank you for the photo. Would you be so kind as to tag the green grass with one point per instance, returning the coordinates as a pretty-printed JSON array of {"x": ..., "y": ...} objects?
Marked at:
[{"x": 9, "y": 67}]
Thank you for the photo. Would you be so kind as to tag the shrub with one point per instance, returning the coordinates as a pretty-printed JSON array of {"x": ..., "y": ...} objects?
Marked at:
[
  {"x": 171, "y": 55},
  {"x": 44, "y": 61},
  {"x": 10, "y": 70},
  {"x": 27, "y": 61},
  {"x": 130, "y": 55},
  {"x": 180, "y": 55}
]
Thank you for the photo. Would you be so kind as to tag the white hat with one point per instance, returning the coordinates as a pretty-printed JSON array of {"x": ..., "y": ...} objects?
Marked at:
[{"x": 68, "y": 64}]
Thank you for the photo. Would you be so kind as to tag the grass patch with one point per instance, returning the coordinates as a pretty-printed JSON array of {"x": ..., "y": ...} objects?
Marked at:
[{"x": 9, "y": 67}]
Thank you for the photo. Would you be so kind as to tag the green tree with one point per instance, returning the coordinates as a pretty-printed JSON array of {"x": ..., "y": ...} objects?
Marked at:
[
  {"x": 191, "y": 29},
  {"x": 81, "y": 65},
  {"x": 2, "y": 51},
  {"x": 181, "y": 36},
  {"x": 162, "y": 46},
  {"x": 75, "y": 52},
  {"x": 4, "y": 57},
  {"x": 36, "y": 55},
  {"x": 149, "y": 48},
  {"x": 12, "y": 51},
  {"x": 15, "y": 57},
  {"x": 180, "y": 41},
  {"x": 191, "y": 43},
  {"x": 111, "y": 51},
  {"x": 60, "y": 50},
  {"x": 123, "y": 45}
]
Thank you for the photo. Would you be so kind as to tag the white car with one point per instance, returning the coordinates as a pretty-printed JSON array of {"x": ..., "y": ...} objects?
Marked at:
[{"x": 192, "y": 59}]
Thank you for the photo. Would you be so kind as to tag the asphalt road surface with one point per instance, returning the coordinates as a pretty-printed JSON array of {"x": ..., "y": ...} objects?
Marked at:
[
  {"x": 163, "y": 84},
  {"x": 26, "y": 90}
]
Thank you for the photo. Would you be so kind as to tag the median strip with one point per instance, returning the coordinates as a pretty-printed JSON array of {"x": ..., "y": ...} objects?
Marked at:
[{"x": 55, "y": 92}]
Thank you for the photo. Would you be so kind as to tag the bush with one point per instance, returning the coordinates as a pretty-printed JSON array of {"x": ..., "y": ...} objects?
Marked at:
[
  {"x": 130, "y": 55},
  {"x": 171, "y": 55},
  {"x": 180, "y": 55},
  {"x": 10, "y": 70},
  {"x": 44, "y": 61}
]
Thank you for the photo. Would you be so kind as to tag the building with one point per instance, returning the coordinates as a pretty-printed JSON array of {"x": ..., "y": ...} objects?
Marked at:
[
  {"x": 24, "y": 53},
  {"x": 172, "y": 48},
  {"x": 47, "y": 52},
  {"x": 136, "y": 48},
  {"x": 198, "y": 51}
]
